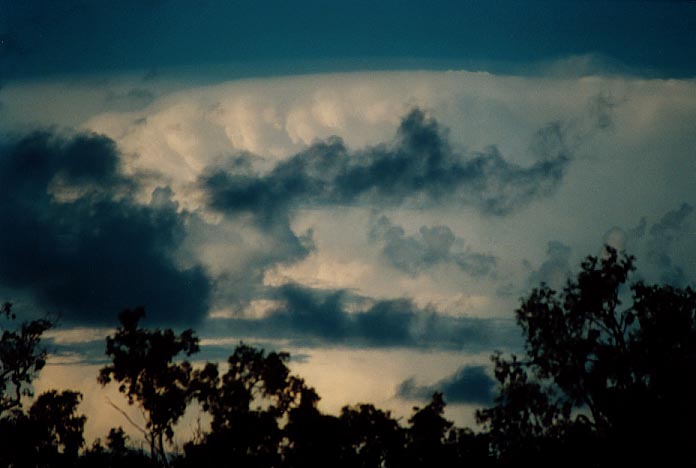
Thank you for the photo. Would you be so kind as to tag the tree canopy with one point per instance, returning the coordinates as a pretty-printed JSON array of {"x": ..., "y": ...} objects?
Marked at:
[
  {"x": 143, "y": 366},
  {"x": 606, "y": 377},
  {"x": 608, "y": 373}
]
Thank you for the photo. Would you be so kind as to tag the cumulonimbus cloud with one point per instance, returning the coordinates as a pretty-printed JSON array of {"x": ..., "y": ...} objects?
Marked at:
[
  {"x": 75, "y": 239},
  {"x": 419, "y": 168}
]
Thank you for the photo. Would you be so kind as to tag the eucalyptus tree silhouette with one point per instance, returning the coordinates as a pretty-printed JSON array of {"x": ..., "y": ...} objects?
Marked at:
[
  {"x": 601, "y": 383},
  {"x": 49, "y": 434},
  {"x": 248, "y": 404},
  {"x": 371, "y": 437},
  {"x": 315, "y": 439},
  {"x": 143, "y": 366},
  {"x": 428, "y": 435},
  {"x": 21, "y": 357}
]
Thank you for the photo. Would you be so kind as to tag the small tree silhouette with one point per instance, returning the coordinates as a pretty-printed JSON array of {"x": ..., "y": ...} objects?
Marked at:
[
  {"x": 247, "y": 404},
  {"x": 21, "y": 357},
  {"x": 57, "y": 423},
  {"x": 372, "y": 438},
  {"x": 428, "y": 435},
  {"x": 143, "y": 365}
]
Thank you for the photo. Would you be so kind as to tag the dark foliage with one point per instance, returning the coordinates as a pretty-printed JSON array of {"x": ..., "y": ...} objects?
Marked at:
[
  {"x": 142, "y": 365},
  {"x": 116, "y": 454},
  {"x": 49, "y": 434},
  {"x": 21, "y": 357},
  {"x": 602, "y": 384},
  {"x": 607, "y": 379},
  {"x": 247, "y": 404}
]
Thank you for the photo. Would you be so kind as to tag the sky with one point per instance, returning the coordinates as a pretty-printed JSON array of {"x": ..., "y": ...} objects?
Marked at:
[{"x": 369, "y": 186}]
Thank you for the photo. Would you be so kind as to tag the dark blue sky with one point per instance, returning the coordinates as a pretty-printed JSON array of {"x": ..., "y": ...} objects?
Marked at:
[{"x": 275, "y": 37}]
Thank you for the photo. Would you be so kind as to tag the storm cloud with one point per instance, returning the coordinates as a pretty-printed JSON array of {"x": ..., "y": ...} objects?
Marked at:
[
  {"x": 664, "y": 249},
  {"x": 312, "y": 317},
  {"x": 434, "y": 245},
  {"x": 555, "y": 269},
  {"x": 419, "y": 168},
  {"x": 470, "y": 384},
  {"x": 671, "y": 228},
  {"x": 77, "y": 242}
]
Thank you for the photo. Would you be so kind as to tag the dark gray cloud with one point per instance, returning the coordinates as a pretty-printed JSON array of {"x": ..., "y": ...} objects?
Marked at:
[
  {"x": 316, "y": 317},
  {"x": 674, "y": 226},
  {"x": 626, "y": 240},
  {"x": 419, "y": 168},
  {"x": 637, "y": 232},
  {"x": 664, "y": 249},
  {"x": 432, "y": 246},
  {"x": 89, "y": 352},
  {"x": 76, "y": 241},
  {"x": 555, "y": 270},
  {"x": 239, "y": 284},
  {"x": 470, "y": 384}
]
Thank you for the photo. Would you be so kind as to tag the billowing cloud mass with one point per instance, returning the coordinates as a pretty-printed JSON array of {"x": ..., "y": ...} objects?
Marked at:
[
  {"x": 555, "y": 269},
  {"x": 76, "y": 241},
  {"x": 470, "y": 384},
  {"x": 432, "y": 246},
  {"x": 373, "y": 187},
  {"x": 664, "y": 249},
  {"x": 420, "y": 168},
  {"x": 671, "y": 228},
  {"x": 310, "y": 317},
  {"x": 356, "y": 215}
]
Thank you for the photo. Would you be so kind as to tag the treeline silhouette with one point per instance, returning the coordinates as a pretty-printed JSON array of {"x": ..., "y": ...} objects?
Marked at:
[{"x": 608, "y": 378}]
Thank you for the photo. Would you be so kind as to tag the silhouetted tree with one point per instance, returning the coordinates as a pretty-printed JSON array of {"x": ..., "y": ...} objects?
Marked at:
[
  {"x": 21, "y": 358},
  {"x": 314, "y": 439},
  {"x": 469, "y": 448},
  {"x": 601, "y": 384},
  {"x": 56, "y": 414},
  {"x": 143, "y": 365},
  {"x": 116, "y": 441},
  {"x": 116, "y": 454},
  {"x": 247, "y": 404},
  {"x": 371, "y": 437},
  {"x": 428, "y": 436},
  {"x": 49, "y": 434}
]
